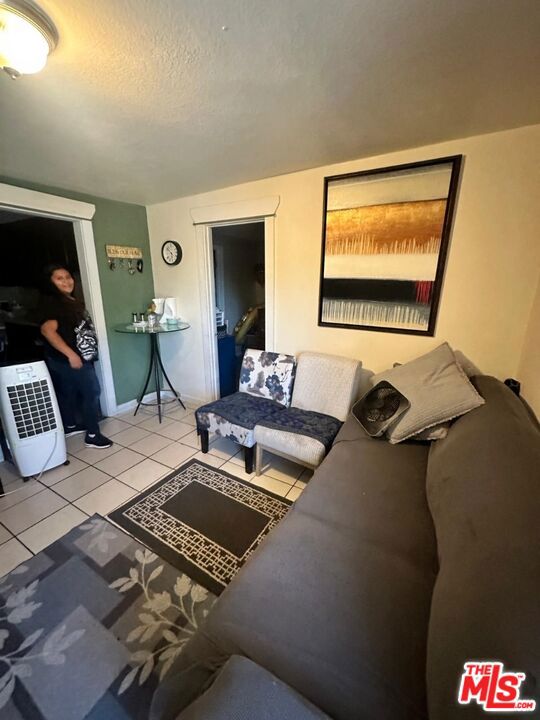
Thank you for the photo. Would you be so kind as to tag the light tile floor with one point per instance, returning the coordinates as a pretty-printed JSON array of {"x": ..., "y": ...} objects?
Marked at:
[{"x": 97, "y": 481}]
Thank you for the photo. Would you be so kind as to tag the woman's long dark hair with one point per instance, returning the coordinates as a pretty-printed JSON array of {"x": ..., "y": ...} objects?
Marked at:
[{"x": 50, "y": 289}]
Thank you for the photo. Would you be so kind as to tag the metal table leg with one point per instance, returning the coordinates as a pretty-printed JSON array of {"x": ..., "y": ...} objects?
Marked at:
[{"x": 156, "y": 366}]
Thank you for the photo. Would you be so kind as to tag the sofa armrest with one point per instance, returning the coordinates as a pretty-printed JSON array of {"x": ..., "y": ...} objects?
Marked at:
[{"x": 243, "y": 690}]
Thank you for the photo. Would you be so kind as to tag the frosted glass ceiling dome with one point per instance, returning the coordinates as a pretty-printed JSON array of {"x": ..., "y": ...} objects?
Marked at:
[{"x": 27, "y": 36}]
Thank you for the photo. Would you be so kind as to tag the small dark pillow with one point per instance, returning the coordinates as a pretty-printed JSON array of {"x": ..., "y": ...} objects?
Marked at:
[{"x": 379, "y": 408}]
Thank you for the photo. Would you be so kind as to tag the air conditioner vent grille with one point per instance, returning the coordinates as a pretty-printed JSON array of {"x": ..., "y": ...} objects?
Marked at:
[{"x": 32, "y": 408}]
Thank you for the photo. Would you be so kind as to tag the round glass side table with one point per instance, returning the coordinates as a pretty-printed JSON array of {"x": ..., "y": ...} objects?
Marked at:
[{"x": 156, "y": 364}]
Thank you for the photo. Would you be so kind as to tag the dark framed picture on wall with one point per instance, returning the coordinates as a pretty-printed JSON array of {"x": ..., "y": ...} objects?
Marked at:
[{"x": 384, "y": 246}]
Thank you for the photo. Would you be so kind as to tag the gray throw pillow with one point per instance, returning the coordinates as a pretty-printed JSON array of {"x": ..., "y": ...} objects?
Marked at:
[
  {"x": 379, "y": 408},
  {"x": 468, "y": 367},
  {"x": 437, "y": 389}
]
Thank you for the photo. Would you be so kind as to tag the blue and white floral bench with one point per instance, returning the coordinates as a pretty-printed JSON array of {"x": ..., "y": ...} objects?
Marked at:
[
  {"x": 265, "y": 390},
  {"x": 261, "y": 414}
]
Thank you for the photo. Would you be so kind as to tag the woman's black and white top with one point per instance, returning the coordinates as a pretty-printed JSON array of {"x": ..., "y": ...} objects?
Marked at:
[{"x": 75, "y": 327}]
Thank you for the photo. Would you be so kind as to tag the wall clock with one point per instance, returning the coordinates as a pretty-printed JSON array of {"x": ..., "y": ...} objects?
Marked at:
[{"x": 171, "y": 252}]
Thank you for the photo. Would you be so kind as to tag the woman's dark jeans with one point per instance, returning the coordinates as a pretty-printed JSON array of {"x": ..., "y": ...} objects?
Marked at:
[{"x": 76, "y": 390}]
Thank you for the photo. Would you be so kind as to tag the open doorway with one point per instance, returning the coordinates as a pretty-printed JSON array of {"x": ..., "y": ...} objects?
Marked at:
[
  {"x": 238, "y": 252},
  {"x": 79, "y": 214},
  {"x": 28, "y": 243},
  {"x": 206, "y": 219}
]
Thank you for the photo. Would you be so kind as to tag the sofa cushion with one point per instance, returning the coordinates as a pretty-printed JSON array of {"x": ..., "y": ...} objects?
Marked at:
[
  {"x": 301, "y": 447},
  {"x": 244, "y": 691},
  {"x": 483, "y": 486},
  {"x": 335, "y": 602},
  {"x": 268, "y": 375},
  {"x": 236, "y": 415},
  {"x": 437, "y": 389},
  {"x": 304, "y": 434}
]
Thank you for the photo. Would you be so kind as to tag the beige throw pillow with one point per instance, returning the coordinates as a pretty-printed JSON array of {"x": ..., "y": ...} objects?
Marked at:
[{"x": 437, "y": 389}]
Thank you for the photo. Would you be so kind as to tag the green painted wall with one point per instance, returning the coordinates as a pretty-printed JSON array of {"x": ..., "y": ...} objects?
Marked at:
[{"x": 117, "y": 223}]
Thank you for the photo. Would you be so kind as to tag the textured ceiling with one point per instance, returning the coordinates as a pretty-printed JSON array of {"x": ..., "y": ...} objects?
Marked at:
[{"x": 148, "y": 100}]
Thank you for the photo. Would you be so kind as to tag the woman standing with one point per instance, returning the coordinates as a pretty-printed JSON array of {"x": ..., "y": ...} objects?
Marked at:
[{"x": 70, "y": 351}]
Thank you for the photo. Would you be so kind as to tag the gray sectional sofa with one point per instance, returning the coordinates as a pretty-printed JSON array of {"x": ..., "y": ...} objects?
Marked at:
[{"x": 397, "y": 564}]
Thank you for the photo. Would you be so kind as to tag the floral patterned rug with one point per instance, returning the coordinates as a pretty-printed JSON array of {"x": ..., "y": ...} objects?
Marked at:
[
  {"x": 203, "y": 521},
  {"x": 91, "y": 625}
]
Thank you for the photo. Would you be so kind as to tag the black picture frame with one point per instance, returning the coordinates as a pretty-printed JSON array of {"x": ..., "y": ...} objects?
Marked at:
[{"x": 396, "y": 297}]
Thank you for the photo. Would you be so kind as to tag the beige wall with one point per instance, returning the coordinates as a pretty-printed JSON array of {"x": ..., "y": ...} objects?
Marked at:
[
  {"x": 491, "y": 274},
  {"x": 529, "y": 371}
]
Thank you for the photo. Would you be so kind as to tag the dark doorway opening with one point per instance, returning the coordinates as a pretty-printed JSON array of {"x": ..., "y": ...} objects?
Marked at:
[
  {"x": 239, "y": 277},
  {"x": 27, "y": 245}
]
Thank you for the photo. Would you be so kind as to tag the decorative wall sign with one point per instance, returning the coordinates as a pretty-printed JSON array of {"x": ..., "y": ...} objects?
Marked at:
[
  {"x": 385, "y": 240},
  {"x": 123, "y": 256},
  {"x": 123, "y": 251}
]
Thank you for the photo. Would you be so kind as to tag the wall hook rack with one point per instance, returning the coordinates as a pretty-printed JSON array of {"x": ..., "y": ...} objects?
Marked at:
[{"x": 123, "y": 256}]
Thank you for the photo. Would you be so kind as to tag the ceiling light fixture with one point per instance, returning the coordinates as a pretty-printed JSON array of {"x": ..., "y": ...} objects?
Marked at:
[{"x": 27, "y": 36}]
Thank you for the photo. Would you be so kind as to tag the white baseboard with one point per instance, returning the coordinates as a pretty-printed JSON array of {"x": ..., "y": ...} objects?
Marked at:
[
  {"x": 193, "y": 401},
  {"x": 189, "y": 400}
]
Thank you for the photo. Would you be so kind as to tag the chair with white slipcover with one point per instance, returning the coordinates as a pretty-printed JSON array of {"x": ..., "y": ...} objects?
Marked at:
[{"x": 324, "y": 390}]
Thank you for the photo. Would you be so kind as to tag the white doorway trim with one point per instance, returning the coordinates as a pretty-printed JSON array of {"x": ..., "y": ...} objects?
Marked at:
[
  {"x": 80, "y": 214},
  {"x": 38, "y": 203},
  {"x": 204, "y": 219},
  {"x": 219, "y": 273},
  {"x": 238, "y": 211}
]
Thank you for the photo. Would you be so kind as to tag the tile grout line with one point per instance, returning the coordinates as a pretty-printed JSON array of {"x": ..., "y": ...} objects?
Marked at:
[
  {"x": 23, "y": 544},
  {"x": 115, "y": 477},
  {"x": 110, "y": 477},
  {"x": 17, "y": 536},
  {"x": 68, "y": 502},
  {"x": 43, "y": 518},
  {"x": 133, "y": 490},
  {"x": 130, "y": 447},
  {"x": 43, "y": 487}
]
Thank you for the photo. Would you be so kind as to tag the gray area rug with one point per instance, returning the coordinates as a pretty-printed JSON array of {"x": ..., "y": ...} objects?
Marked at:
[
  {"x": 91, "y": 625},
  {"x": 203, "y": 521}
]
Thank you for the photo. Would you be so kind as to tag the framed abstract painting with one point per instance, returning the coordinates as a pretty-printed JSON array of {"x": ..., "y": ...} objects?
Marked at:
[{"x": 384, "y": 247}]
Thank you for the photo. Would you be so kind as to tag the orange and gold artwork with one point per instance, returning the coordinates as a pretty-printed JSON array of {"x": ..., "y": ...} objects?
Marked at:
[
  {"x": 385, "y": 241},
  {"x": 405, "y": 227}
]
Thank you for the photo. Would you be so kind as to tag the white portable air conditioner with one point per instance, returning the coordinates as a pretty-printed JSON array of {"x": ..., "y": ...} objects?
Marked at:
[{"x": 31, "y": 418}]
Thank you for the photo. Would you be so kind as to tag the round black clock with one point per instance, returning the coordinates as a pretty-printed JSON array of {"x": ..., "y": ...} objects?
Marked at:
[{"x": 171, "y": 252}]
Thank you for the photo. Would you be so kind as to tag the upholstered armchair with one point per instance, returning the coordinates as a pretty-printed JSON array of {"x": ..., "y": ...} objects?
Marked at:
[
  {"x": 265, "y": 388},
  {"x": 324, "y": 390}
]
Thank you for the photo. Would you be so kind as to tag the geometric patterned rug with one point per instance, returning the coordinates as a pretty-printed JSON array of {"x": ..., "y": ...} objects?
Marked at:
[
  {"x": 203, "y": 521},
  {"x": 90, "y": 626}
]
